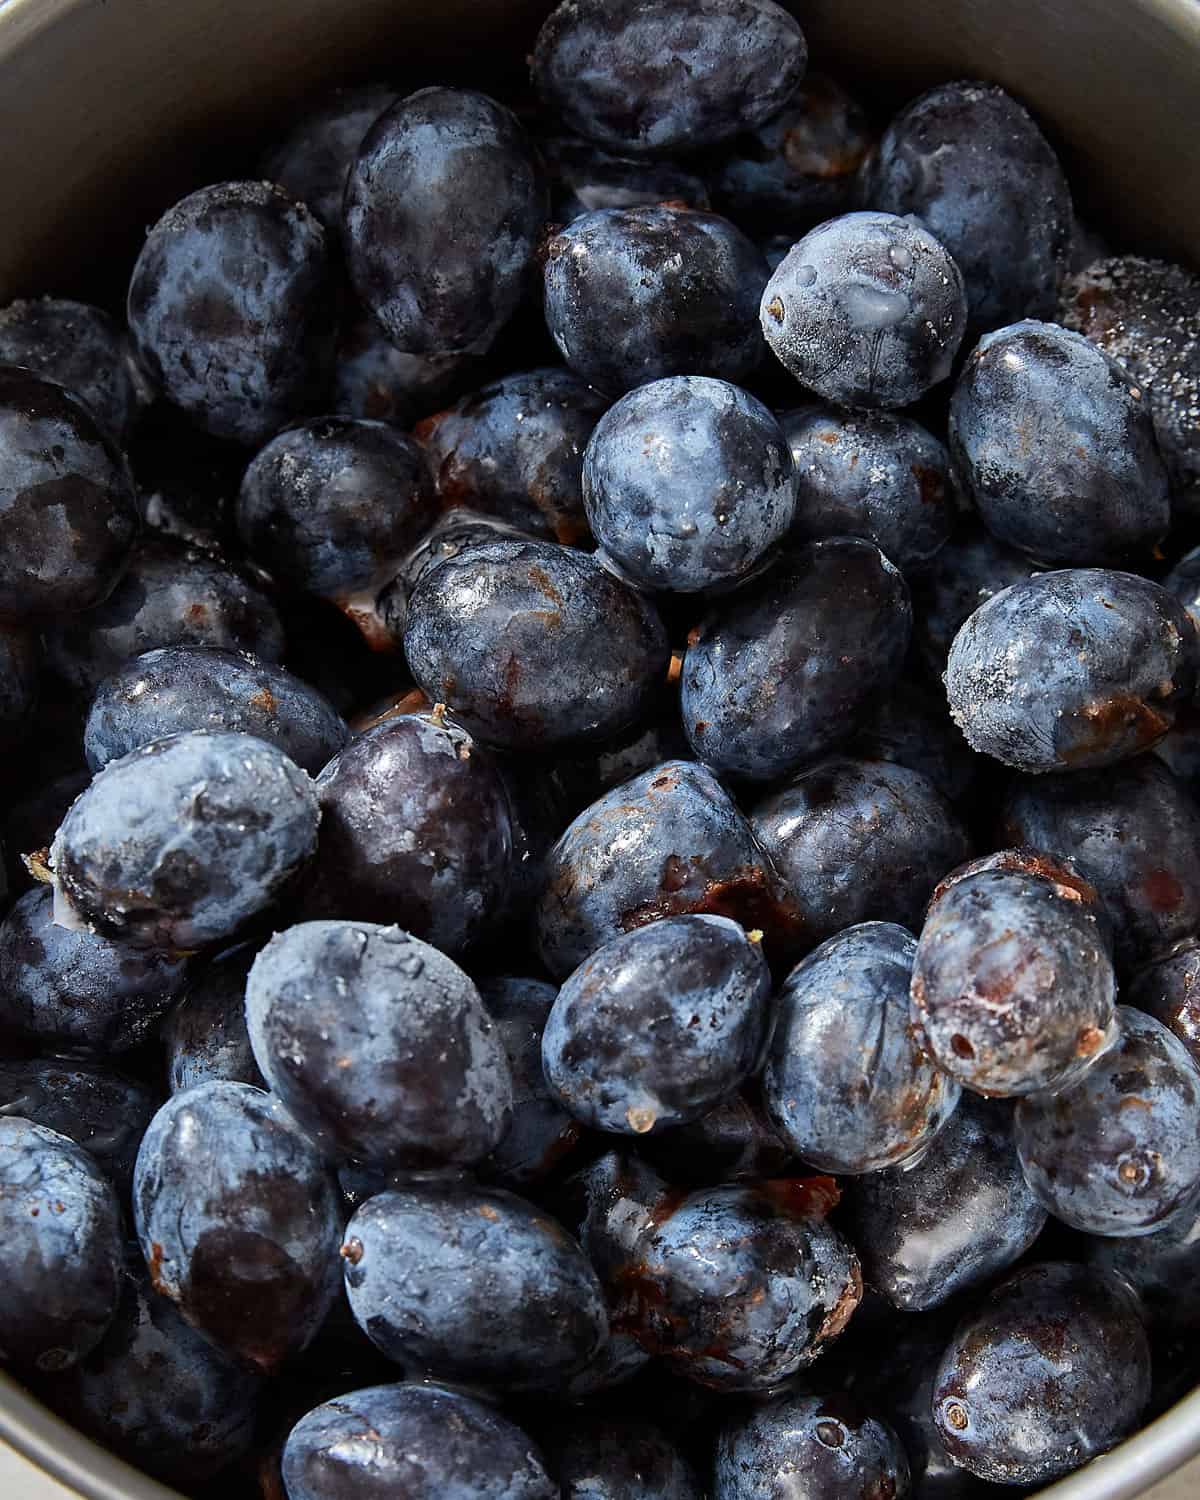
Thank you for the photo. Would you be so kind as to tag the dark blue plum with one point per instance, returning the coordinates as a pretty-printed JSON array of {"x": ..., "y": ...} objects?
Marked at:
[
  {"x": 179, "y": 688},
  {"x": 1146, "y": 315},
  {"x": 665, "y": 843},
  {"x": 1169, "y": 990},
  {"x": 877, "y": 476},
  {"x": 531, "y": 645},
  {"x": 238, "y": 1219},
  {"x": 848, "y": 1082},
  {"x": 78, "y": 346},
  {"x": 1118, "y": 1151},
  {"x": 20, "y": 662},
  {"x": 971, "y": 164},
  {"x": 794, "y": 662},
  {"x": 68, "y": 988},
  {"x": 635, "y": 294},
  {"x": 444, "y": 206},
  {"x": 60, "y": 1249},
  {"x": 657, "y": 76},
  {"x": 798, "y": 167},
  {"x": 912, "y": 727},
  {"x": 1013, "y": 980},
  {"x": 605, "y": 1458},
  {"x": 1052, "y": 1369},
  {"x": 473, "y": 1284},
  {"x": 205, "y": 1035},
  {"x": 585, "y": 177},
  {"x": 170, "y": 596},
  {"x": 435, "y": 1443},
  {"x": 688, "y": 484},
  {"x": 1134, "y": 832},
  {"x": 542, "y": 1135},
  {"x": 90, "y": 1103},
  {"x": 952, "y": 1219},
  {"x": 182, "y": 842},
  {"x": 514, "y": 449},
  {"x": 733, "y": 1142},
  {"x": 1184, "y": 582},
  {"x": 821, "y": 1447},
  {"x": 1075, "y": 668},
  {"x": 859, "y": 841},
  {"x": 378, "y": 1045},
  {"x": 967, "y": 572},
  {"x": 67, "y": 501},
  {"x": 739, "y": 1287},
  {"x": 332, "y": 506},
  {"x": 313, "y": 158},
  {"x": 866, "y": 310},
  {"x": 415, "y": 830},
  {"x": 659, "y": 1025},
  {"x": 1053, "y": 443},
  {"x": 231, "y": 309},
  {"x": 159, "y": 1394}
]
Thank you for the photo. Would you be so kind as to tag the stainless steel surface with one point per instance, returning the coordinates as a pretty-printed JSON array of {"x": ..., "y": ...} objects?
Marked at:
[{"x": 107, "y": 108}]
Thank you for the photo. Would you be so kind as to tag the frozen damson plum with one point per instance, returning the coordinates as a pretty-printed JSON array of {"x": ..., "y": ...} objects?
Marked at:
[
  {"x": 665, "y": 843},
  {"x": 876, "y": 476},
  {"x": 205, "y": 1035},
  {"x": 473, "y": 1284},
  {"x": 66, "y": 987},
  {"x": 170, "y": 596},
  {"x": 514, "y": 449},
  {"x": 1013, "y": 980},
  {"x": 1118, "y": 1151},
  {"x": 660, "y": 75},
  {"x": 91, "y": 1104},
  {"x": 1146, "y": 315},
  {"x": 434, "y": 1443},
  {"x": 180, "y": 843},
  {"x": 585, "y": 177},
  {"x": 311, "y": 161},
  {"x": 1053, "y": 443},
  {"x": 950, "y": 1220},
  {"x": 1169, "y": 990},
  {"x": 912, "y": 727},
  {"x": 78, "y": 346},
  {"x": 599, "y": 1458},
  {"x": 444, "y": 205},
  {"x": 378, "y": 1045},
  {"x": 159, "y": 1393},
  {"x": 859, "y": 841},
  {"x": 60, "y": 1249},
  {"x": 231, "y": 309},
  {"x": 1133, "y": 832},
  {"x": 1079, "y": 667},
  {"x": 179, "y": 688},
  {"x": 810, "y": 1448},
  {"x": 1184, "y": 582},
  {"x": 793, "y": 663},
  {"x": 866, "y": 310},
  {"x": 966, "y": 572},
  {"x": 531, "y": 645},
  {"x": 415, "y": 830},
  {"x": 738, "y": 1288},
  {"x": 635, "y": 294},
  {"x": 971, "y": 164},
  {"x": 542, "y": 1134},
  {"x": 67, "y": 501},
  {"x": 848, "y": 1083},
  {"x": 331, "y": 507},
  {"x": 1051, "y": 1370},
  {"x": 688, "y": 484},
  {"x": 797, "y": 168},
  {"x": 656, "y": 1027},
  {"x": 1163, "y": 1268},
  {"x": 238, "y": 1219}
]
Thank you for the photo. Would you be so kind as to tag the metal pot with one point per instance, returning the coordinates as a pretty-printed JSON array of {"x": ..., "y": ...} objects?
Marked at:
[{"x": 110, "y": 109}]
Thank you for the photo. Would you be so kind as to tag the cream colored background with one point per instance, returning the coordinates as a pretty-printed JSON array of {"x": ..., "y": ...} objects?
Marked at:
[{"x": 19, "y": 1482}]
